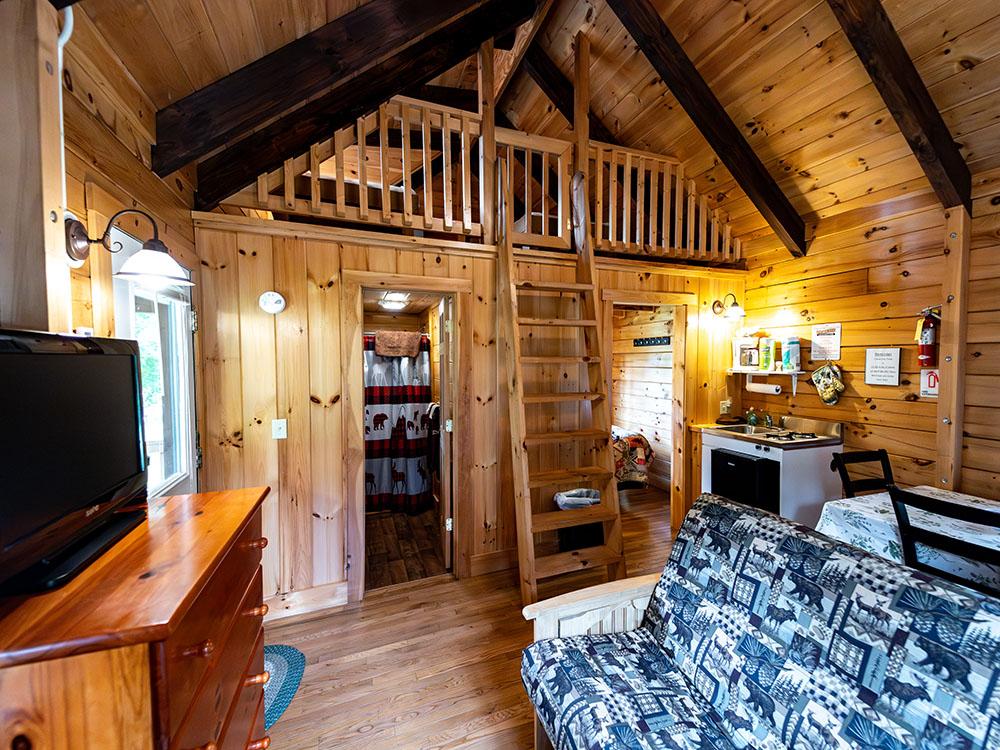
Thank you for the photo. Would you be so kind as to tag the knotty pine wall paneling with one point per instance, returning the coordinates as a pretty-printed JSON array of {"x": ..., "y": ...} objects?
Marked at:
[
  {"x": 258, "y": 367},
  {"x": 873, "y": 278},
  {"x": 981, "y": 444}
]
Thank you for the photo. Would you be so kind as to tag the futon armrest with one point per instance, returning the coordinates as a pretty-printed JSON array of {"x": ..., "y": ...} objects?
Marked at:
[{"x": 612, "y": 607}]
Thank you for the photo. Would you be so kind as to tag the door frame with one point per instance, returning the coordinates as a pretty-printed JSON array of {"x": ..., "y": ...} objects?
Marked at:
[
  {"x": 682, "y": 351},
  {"x": 352, "y": 373}
]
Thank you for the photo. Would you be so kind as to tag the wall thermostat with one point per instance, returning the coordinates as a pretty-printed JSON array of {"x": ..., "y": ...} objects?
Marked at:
[{"x": 271, "y": 302}]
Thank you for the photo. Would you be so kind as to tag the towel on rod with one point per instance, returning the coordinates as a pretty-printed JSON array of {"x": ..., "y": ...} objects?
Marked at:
[{"x": 397, "y": 343}]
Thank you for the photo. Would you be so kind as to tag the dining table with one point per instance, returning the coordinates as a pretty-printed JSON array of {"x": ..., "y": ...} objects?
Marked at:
[{"x": 869, "y": 522}]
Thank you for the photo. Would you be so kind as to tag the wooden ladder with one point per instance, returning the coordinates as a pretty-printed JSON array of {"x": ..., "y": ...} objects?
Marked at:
[{"x": 560, "y": 438}]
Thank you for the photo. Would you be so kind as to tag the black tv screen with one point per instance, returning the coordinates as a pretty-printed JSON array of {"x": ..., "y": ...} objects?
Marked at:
[{"x": 70, "y": 440}]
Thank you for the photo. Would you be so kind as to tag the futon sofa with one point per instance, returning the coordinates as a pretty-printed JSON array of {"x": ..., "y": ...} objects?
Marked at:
[{"x": 764, "y": 634}]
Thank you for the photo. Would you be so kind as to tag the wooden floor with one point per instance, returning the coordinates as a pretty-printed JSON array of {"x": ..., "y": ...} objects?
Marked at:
[
  {"x": 435, "y": 664},
  {"x": 400, "y": 548}
]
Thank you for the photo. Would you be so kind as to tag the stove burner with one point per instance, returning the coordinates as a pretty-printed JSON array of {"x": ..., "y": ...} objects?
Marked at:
[{"x": 786, "y": 437}]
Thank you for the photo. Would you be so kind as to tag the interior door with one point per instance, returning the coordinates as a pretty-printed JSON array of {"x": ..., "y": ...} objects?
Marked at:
[{"x": 447, "y": 355}]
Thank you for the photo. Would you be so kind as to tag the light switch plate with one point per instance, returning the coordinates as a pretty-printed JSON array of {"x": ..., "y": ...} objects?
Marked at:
[
  {"x": 725, "y": 406},
  {"x": 279, "y": 429}
]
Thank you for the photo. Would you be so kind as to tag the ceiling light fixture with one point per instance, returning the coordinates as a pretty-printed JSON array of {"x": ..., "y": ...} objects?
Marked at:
[
  {"x": 152, "y": 266},
  {"x": 390, "y": 304},
  {"x": 731, "y": 311}
]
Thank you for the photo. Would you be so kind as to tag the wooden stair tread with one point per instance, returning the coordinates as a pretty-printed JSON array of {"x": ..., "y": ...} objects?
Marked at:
[
  {"x": 579, "y": 559},
  {"x": 553, "y": 286},
  {"x": 559, "y": 322},
  {"x": 554, "y": 477},
  {"x": 534, "y": 438},
  {"x": 556, "y": 396},
  {"x": 560, "y": 360},
  {"x": 564, "y": 519}
]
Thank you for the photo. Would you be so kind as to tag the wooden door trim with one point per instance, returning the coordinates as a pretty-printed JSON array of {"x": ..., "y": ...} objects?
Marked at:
[
  {"x": 680, "y": 395},
  {"x": 354, "y": 283}
]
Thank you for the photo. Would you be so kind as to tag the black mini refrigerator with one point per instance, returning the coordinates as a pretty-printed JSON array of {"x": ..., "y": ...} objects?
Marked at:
[{"x": 753, "y": 480}]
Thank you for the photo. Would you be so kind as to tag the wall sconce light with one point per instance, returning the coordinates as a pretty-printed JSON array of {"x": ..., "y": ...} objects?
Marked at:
[
  {"x": 731, "y": 310},
  {"x": 152, "y": 265}
]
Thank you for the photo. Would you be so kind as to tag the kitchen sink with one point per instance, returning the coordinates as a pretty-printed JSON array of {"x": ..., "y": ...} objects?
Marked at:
[{"x": 747, "y": 429}]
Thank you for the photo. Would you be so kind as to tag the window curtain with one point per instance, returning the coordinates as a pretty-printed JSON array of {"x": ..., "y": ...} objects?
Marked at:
[{"x": 397, "y": 399}]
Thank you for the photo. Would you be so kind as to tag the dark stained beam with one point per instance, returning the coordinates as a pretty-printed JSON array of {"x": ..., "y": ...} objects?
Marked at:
[
  {"x": 337, "y": 54},
  {"x": 669, "y": 60},
  {"x": 881, "y": 51},
  {"x": 238, "y": 165},
  {"x": 559, "y": 89}
]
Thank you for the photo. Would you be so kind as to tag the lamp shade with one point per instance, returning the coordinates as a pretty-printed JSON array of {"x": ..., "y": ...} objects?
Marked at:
[{"x": 153, "y": 267}]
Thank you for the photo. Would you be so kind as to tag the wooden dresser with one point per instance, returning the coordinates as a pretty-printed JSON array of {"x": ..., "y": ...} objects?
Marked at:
[{"x": 158, "y": 644}]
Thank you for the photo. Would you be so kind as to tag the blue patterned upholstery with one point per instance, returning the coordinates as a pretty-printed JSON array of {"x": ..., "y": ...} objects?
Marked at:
[{"x": 764, "y": 634}]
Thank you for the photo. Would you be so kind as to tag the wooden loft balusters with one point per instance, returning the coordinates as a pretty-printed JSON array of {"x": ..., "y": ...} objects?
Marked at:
[{"x": 560, "y": 415}]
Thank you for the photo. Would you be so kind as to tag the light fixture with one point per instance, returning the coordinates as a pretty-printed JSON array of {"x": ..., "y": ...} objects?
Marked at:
[
  {"x": 731, "y": 311},
  {"x": 152, "y": 266},
  {"x": 394, "y": 300}
]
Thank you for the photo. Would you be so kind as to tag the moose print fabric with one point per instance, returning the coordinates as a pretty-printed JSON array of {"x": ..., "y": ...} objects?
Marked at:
[
  {"x": 783, "y": 638},
  {"x": 397, "y": 398}
]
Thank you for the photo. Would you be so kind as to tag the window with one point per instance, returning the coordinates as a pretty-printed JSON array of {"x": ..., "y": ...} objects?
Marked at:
[{"x": 160, "y": 321}]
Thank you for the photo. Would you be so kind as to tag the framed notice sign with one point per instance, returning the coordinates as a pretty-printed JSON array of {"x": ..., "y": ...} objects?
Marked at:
[
  {"x": 825, "y": 342},
  {"x": 882, "y": 366}
]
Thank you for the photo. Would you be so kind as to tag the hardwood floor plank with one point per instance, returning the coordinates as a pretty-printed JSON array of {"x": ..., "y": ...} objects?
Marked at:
[{"x": 433, "y": 665}]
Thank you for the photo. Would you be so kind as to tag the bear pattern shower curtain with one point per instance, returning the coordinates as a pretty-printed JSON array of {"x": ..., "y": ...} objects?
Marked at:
[{"x": 397, "y": 399}]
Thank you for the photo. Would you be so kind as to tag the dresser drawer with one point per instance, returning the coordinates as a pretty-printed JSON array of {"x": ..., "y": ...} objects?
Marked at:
[
  {"x": 242, "y": 727},
  {"x": 218, "y": 690},
  {"x": 194, "y": 648}
]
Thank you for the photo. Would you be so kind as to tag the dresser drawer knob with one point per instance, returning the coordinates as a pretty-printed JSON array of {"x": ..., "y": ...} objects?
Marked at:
[
  {"x": 207, "y": 746},
  {"x": 260, "y": 611},
  {"x": 257, "y": 679},
  {"x": 262, "y": 744},
  {"x": 257, "y": 543},
  {"x": 204, "y": 649}
]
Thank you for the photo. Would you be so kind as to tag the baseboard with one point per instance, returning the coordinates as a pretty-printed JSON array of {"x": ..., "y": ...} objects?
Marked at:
[
  {"x": 491, "y": 562},
  {"x": 307, "y": 601}
]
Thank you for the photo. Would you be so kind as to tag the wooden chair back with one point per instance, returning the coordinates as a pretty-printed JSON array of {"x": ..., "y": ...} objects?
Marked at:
[
  {"x": 911, "y": 535},
  {"x": 867, "y": 484}
]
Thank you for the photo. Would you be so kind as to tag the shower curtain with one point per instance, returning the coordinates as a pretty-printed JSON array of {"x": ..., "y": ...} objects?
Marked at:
[{"x": 397, "y": 398}]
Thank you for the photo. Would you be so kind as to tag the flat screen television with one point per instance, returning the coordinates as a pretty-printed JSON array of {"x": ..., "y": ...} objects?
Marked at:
[{"x": 71, "y": 453}]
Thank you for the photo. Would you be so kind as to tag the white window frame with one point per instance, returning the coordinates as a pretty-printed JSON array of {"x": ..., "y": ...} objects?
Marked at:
[{"x": 178, "y": 300}]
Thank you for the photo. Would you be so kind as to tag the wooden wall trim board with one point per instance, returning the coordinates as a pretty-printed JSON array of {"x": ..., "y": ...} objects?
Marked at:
[
  {"x": 35, "y": 288},
  {"x": 353, "y": 285},
  {"x": 952, "y": 355}
]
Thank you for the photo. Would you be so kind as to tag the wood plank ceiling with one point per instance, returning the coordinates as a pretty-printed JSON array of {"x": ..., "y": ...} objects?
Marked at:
[
  {"x": 791, "y": 81},
  {"x": 783, "y": 69}
]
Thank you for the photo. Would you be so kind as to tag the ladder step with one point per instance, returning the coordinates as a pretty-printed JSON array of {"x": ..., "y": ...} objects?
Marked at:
[
  {"x": 536, "y": 438},
  {"x": 564, "y": 519},
  {"x": 545, "y": 398},
  {"x": 560, "y": 360},
  {"x": 558, "y": 322},
  {"x": 579, "y": 559},
  {"x": 556, "y": 477},
  {"x": 553, "y": 286}
]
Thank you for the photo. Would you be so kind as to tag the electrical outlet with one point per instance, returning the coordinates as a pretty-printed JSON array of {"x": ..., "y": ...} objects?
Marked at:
[
  {"x": 725, "y": 406},
  {"x": 279, "y": 429}
]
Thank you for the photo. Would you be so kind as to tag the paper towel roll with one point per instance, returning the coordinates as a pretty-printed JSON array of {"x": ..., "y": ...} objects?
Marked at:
[{"x": 772, "y": 390}]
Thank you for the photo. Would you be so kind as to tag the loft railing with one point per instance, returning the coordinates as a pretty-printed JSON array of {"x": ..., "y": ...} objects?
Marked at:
[
  {"x": 640, "y": 203},
  {"x": 416, "y": 165},
  {"x": 408, "y": 165}
]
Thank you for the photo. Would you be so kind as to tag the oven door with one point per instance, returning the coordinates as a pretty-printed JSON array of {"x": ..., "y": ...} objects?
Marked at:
[{"x": 753, "y": 480}]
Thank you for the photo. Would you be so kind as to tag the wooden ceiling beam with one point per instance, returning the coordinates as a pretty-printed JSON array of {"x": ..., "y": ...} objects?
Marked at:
[
  {"x": 871, "y": 33},
  {"x": 339, "y": 53},
  {"x": 239, "y": 164},
  {"x": 559, "y": 89},
  {"x": 665, "y": 54}
]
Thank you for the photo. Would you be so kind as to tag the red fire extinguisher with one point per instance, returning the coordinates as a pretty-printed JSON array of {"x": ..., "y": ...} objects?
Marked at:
[{"x": 927, "y": 337}]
